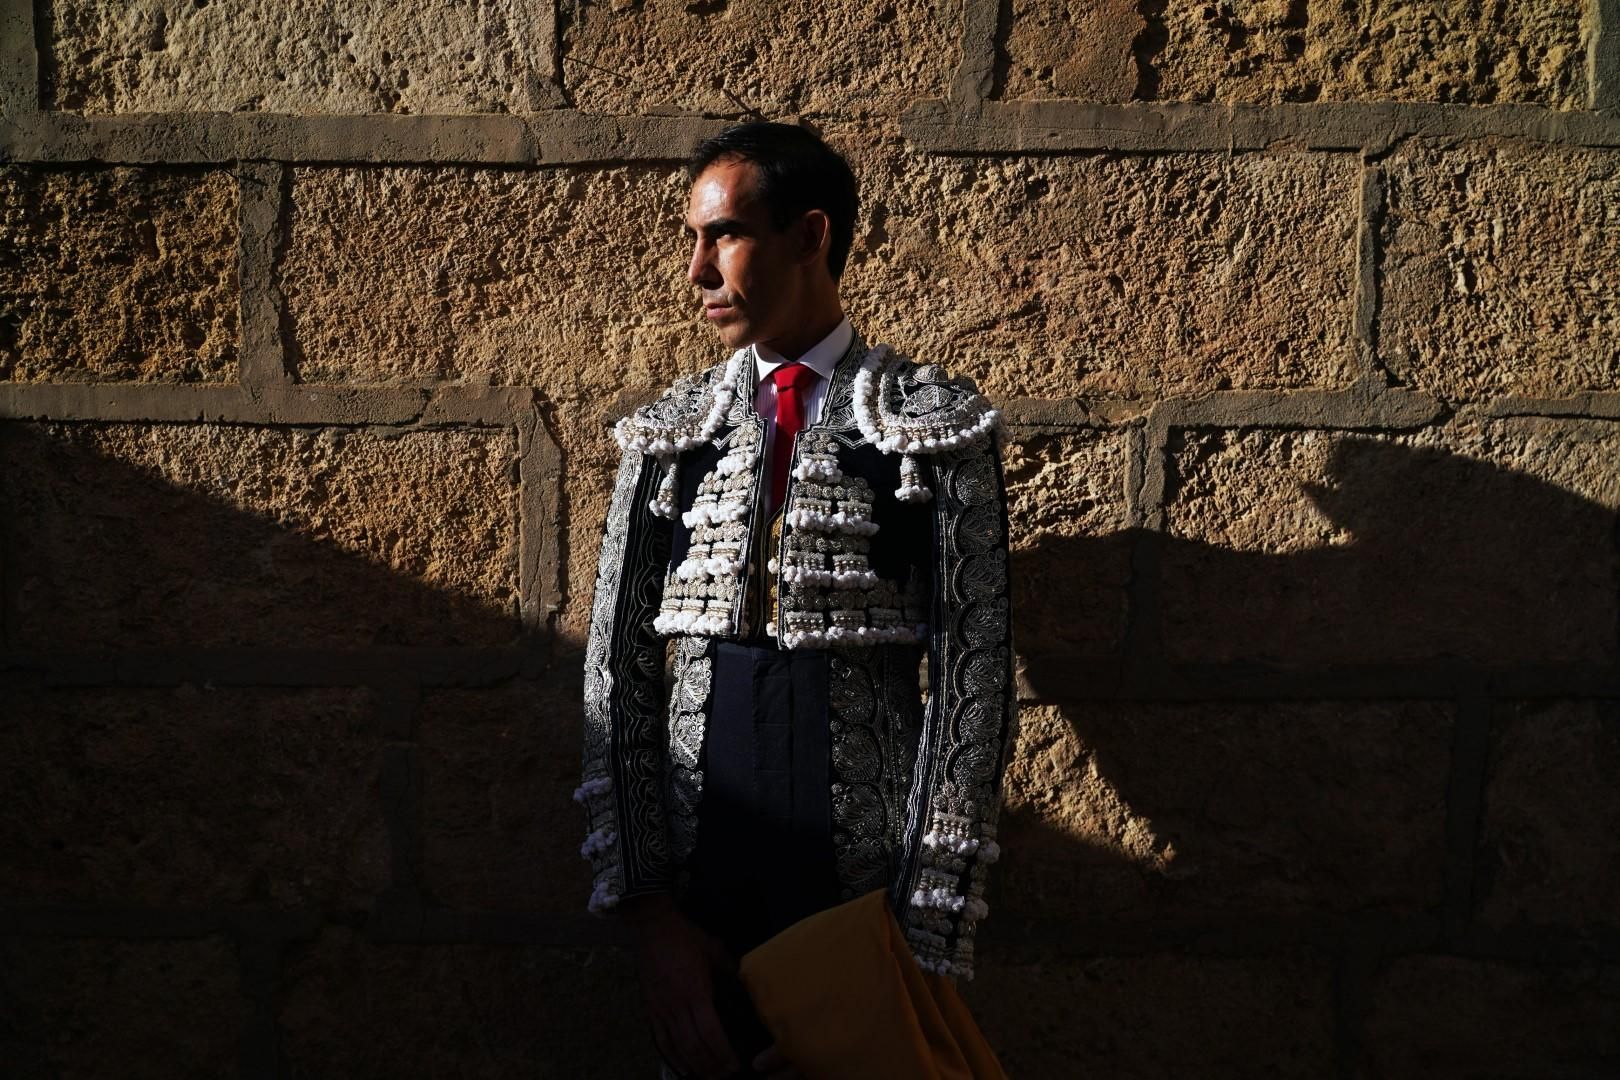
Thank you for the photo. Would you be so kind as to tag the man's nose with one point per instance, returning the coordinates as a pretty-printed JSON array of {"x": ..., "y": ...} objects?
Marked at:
[{"x": 701, "y": 270}]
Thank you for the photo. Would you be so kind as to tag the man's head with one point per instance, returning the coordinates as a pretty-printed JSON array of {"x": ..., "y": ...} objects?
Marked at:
[{"x": 772, "y": 217}]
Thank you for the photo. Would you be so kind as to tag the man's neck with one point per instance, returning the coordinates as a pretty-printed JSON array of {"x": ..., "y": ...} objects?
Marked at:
[{"x": 803, "y": 338}]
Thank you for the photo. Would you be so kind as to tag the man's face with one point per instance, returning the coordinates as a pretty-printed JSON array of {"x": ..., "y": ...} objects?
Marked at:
[{"x": 748, "y": 273}]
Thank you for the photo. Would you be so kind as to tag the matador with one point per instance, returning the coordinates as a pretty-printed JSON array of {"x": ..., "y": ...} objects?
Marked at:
[{"x": 793, "y": 534}]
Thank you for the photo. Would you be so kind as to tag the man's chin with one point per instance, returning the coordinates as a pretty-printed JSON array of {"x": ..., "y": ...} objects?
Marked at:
[{"x": 734, "y": 335}]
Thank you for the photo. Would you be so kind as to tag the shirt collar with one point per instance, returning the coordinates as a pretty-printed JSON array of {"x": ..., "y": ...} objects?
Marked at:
[{"x": 822, "y": 358}]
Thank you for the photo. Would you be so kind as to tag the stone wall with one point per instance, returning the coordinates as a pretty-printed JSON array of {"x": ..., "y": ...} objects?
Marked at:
[{"x": 1306, "y": 317}]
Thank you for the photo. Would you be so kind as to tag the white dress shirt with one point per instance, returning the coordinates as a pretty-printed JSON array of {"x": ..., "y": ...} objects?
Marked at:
[{"x": 822, "y": 358}]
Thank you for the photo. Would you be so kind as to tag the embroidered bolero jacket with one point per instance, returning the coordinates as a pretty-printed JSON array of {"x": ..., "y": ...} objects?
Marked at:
[{"x": 892, "y": 546}]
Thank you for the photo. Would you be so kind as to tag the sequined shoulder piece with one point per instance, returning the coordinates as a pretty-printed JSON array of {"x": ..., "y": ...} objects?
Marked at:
[
  {"x": 903, "y": 407},
  {"x": 912, "y": 409},
  {"x": 688, "y": 414}
]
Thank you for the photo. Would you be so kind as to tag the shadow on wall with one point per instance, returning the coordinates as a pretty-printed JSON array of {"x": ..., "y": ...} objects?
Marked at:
[{"x": 286, "y": 809}]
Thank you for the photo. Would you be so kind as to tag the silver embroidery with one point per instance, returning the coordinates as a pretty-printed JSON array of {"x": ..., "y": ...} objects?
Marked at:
[
  {"x": 954, "y": 804},
  {"x": 876, "y": 704},
  {"x": 624, "y": 725},
  {"x": 856, "y": 731},
  {"x": 688, "y": 714}
]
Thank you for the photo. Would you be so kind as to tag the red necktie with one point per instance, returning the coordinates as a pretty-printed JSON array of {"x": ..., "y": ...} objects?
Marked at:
[{"x": 792, "y": 381}]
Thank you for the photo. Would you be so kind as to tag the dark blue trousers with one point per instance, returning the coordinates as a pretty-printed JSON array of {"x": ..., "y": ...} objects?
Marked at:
[{"x": 764, "y": 855}]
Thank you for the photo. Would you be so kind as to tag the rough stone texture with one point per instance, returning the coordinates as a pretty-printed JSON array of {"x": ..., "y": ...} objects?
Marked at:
[
  {"x": 1452, "y": 1016},
  {"x": 1552, "y": 812},
  {"x": 1154, "y": 812},
  {"x": 1072, "y": 555},
  {"x": 357, "y": 56},
  {"x": 1499, "y": 270},
  {"x": 135, "y": 797},
  {"x": 1072, "y": 49},
  {"x": 117, "y": 273},
  {"x": 146, "y": 1010},
  {"x": 1131, "y": 1017},
  {"x": 499, "y": 825},
  {"x": 240, "y": 535},
  {"x": 1484, "y": 541},
  {"x": 572, "y": 281},
  {"x": 1104, "y": 275},
  {"x": 1040, "y": 276},
  {"x": 1265, "y": 51},
  {"x": 775, "y": 57},
  {"x": 357, "y": 1008}
]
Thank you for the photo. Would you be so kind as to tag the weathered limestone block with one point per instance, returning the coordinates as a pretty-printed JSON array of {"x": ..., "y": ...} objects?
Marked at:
[
  {"x": 778, "y": 57},
  {"x": 357, "y": 56},
  {"x": 193, "y": 797},
  {"x": 1454, "y": 1016},
  {"x": 593, "y": 459},
  {"x": 118, "y": 273},
  {"x": 573, "y": 280},
  {"x": 1041, "y": 276},
  {"x": 1551, "y": 814},
  {"x": 1157, "y": 1015},
  {"x": 150, "y": 1010},
  {"x": 1073, "y": 49},
  {"x": 1071, "y": 554},
  {"x": 352, "y": 1007},
  {"x": 1265, "y": 51},
  {"x": 1096, "y": 274},
  {"x": 1499, "y": 270},
  {"x": 569, "y": 280},
  {"x": 500, "y": 829},
  {"x": 1484, "y": 541},
  {"x": 137, "y": 535},
  {"x": 1198, "y": 813}
]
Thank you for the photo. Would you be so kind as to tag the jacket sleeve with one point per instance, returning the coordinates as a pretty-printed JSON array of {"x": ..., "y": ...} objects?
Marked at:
[
  {"x": 624, "y": 744},
  {"x": 970, "y": 719}
]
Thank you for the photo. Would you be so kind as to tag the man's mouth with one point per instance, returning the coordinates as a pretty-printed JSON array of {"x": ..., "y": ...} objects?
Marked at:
[{"x": 716, "y": 309}]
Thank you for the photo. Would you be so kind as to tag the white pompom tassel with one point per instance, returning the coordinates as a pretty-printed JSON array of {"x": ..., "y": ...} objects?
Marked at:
[
  {"x": 663, "y": 504},
  {"x": 912, "y": 488}
]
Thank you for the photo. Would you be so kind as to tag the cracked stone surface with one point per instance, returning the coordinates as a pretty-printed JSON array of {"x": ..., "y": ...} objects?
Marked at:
[
  {"x": 153, "y": 1007},
  {"x": 776, "y": 57},
  {"x": 1071, "y": 561},
  {"x": 359, "y": 1007},
  {"x": 1256, "y": 51},
  {"x": 500, "y": 832},
  {"x": 251, "y": 535},
  {"x": 1545, "y": 854},
  {"x": 130, "y": 796},
  {"x": 118, "y": 272},
  {"x": 1156, "y": 1015},
  {"x": 1484, "y": 540},
  {"x": 1158, "y": 812},
  {"x": 358, "y": 56},
  {"x": 1474, "y": 1015},
  {"x": 1498, "y": 273}
]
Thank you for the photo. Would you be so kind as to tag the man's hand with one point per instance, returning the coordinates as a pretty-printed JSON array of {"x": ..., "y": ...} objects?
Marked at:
[
  {"x": 770, "y": 1063},
  {"x": 676, "y": 959}
]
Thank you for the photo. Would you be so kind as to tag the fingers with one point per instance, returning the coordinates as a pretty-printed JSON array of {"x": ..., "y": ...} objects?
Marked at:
[
  {"x": 667, "y": 1052},
  {"x": 680, "y": 1041},
  {"x": 717, "y": 1047},
  {"x": 770, "y": 1063},
  {"x": 696, "y": 1045}
]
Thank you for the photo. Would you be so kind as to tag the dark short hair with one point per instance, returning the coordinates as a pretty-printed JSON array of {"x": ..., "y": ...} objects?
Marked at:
[{"x": 797, "y": 172}]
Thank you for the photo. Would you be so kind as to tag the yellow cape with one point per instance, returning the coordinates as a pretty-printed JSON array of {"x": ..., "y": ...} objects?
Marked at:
[{"x": 845, "y": 1000}]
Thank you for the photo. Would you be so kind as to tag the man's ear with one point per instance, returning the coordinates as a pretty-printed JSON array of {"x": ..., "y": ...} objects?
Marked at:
[{"x": 815, "y": 236}]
